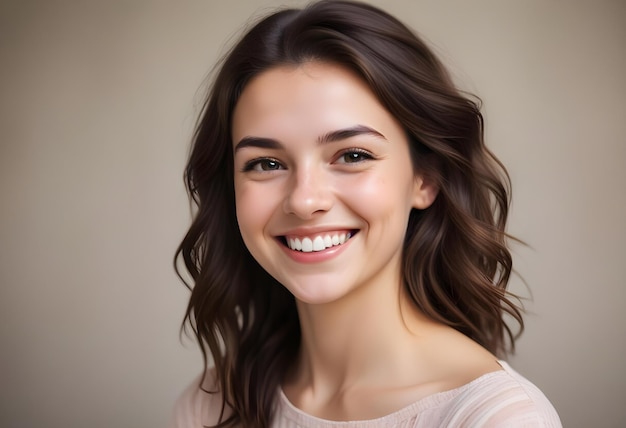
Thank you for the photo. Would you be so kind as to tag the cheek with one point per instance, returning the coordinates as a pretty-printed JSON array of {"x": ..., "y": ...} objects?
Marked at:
[
  {"x": 254, "y": 207},
  {"x": 245, "y": 203},
  {"x": 380, "y": 197}
]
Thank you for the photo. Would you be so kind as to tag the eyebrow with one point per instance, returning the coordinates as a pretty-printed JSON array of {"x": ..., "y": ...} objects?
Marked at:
[{"x": 329, "y": 137}]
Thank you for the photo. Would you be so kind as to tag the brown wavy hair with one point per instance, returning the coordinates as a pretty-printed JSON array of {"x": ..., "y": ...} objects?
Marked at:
[{"x": 456, "y": 264}]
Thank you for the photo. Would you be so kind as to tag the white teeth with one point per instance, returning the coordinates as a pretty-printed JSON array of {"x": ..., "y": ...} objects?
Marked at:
[
  {"x": 295, "y": 244},
  {"x": 318, "y": 243},
  {"x": 307, "y": 245}
]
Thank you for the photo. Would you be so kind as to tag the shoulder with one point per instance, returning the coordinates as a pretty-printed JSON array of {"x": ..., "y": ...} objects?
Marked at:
[
  {"x": 502, "y": 399},
  {"x": 200, "y": 404}
]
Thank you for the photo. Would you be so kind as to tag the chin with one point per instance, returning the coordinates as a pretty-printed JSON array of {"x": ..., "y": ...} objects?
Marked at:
[
  {"x": 316, "y": 295},
  {"x": 313, "y": 294}
]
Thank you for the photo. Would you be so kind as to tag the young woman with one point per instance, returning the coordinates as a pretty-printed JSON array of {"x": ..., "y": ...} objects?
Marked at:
[{"x": 348, "y": 251}]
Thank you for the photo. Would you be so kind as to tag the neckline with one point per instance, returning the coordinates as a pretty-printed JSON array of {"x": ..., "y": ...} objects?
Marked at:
[{"x": 294, "y": 413}]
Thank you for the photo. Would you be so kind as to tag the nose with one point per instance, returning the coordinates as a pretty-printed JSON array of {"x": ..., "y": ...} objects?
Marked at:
[{"x": 309, "y": 193}]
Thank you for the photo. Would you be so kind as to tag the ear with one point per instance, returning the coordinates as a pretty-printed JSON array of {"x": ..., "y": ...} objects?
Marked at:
[{"x": 425, "y": 192}]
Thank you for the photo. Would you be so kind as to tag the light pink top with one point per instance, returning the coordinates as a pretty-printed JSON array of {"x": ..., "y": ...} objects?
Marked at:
[{"x": 502, "y": 398}]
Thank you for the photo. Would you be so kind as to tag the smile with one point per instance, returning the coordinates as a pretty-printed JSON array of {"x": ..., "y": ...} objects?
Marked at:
[{"x": 309, "y": 244}]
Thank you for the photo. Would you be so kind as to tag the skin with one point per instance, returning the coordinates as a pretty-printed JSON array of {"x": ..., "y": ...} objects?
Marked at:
[{"x": 366, "y": 350}]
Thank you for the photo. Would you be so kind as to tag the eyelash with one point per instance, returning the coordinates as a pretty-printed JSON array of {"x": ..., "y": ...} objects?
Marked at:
[
  {"x": 364, "y": 156},
  {"x": 252, "y": 164}
]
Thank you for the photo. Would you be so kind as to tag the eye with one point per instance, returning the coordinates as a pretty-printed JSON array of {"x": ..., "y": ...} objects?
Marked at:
[
  {"x": 263, "y": 164},
  {"x": 354, "y": 156}
]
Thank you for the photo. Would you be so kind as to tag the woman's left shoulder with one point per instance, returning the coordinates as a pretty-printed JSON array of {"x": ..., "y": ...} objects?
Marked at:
[{"x": 503, "y": 398}]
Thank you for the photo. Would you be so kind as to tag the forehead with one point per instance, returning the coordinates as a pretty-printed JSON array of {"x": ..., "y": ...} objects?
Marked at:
[{"x": 306, "y": 100}]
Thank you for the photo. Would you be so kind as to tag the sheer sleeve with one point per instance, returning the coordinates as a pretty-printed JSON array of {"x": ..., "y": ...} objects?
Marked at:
[{"x": 505, "y": 401}]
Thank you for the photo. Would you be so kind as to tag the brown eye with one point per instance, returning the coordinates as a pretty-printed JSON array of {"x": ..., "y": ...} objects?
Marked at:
[
  {"x": 263, "y": 164},
  {"x": 355, "y": 156},
  {"x": 269, "y": 165}
]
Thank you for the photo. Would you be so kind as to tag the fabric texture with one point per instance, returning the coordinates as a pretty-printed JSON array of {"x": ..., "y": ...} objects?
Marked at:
[{"x": 500, "y": 399}]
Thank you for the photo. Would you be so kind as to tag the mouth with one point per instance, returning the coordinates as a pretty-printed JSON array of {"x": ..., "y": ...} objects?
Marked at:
[{"x": 317, "y": 242}]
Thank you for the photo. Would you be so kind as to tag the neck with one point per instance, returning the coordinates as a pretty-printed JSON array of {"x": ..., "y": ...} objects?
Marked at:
[{"x": 356, "y": 340}]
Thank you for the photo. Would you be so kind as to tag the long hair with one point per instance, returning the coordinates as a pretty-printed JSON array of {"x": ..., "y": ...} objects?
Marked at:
[{"x": 456, "y": 263}]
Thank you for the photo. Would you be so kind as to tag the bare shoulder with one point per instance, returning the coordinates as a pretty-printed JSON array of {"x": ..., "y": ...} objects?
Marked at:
[
  {"x": 455, "y": 360},
  {"x": 487, "y": 391},
  {"x": 200, "y": 404}
]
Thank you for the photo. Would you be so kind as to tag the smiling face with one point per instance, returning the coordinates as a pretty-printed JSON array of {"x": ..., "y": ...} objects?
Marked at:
[{"x": 323, "y": 181}]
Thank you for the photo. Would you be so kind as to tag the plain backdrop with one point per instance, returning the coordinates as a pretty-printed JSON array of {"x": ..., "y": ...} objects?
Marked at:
[{"x": 97, "y": 104}]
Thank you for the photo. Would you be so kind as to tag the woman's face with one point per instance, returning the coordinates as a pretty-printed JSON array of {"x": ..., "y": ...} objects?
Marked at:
[{"x": 323, "y": 181}]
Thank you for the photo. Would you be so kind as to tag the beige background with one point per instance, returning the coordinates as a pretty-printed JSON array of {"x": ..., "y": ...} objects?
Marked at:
[{"x": 97, "y": 104}]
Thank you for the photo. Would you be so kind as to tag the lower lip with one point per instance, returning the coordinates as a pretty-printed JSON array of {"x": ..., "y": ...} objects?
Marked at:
[{"x": 316, "y": 256}]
